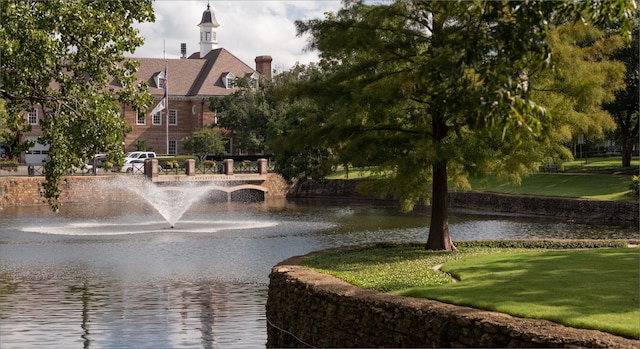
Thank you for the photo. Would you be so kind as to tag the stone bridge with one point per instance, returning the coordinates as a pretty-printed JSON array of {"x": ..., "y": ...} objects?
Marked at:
[{"x": 260, "y": 182}]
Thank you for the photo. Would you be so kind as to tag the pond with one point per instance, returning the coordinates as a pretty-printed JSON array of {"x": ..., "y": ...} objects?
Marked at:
[{"x": 117, "y": 275}]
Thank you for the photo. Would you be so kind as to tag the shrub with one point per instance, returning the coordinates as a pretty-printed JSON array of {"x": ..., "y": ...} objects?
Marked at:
[
  {"x": 550, "y": 244},
  {"x": 9, "y": 165},
  {"x": 210, "y": 164}
]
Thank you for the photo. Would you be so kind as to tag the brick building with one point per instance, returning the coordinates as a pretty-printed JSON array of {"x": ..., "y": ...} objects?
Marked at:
[{"x": 191, "y": 82}]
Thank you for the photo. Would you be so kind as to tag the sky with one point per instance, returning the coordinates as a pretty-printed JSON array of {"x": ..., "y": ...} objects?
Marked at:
[{"x": 248, "y": 28}]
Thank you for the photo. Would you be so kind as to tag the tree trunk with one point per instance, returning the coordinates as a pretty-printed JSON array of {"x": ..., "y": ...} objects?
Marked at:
[
  {"x": 439, "y": 238},
  {"x": 627, "y": 151},
  {"x": 629, "y": 126}
]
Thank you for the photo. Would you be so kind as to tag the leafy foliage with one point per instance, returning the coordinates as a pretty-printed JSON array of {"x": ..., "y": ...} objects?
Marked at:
[
  {"x": 268, "y": 118},
  {"x": 203, "y": 142},
  {"x": 61, "y": 56},
  {"x": 625, "y": 109},
  {"x": 582, "y": 79},
  {"x": 432, "y": 91},
  {"x": 635, "y": 186},
  {"x": 247, "y": 112},
  {"x": 12, "y": 130}
]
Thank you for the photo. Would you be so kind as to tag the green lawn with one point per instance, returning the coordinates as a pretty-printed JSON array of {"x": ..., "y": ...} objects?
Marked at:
[
  {"x": 593, "y": 288},
  {"x": 595, "y": 178},
  {"x": 602, "y": 187},
  {"x": 610, "y": 165}
]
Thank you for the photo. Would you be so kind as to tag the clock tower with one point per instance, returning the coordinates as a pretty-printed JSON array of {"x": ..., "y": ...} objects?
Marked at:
[{"x": 208, "y": 32}]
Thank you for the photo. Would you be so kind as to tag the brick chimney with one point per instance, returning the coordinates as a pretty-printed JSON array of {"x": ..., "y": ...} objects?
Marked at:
[{"x": 263, "y": 66}]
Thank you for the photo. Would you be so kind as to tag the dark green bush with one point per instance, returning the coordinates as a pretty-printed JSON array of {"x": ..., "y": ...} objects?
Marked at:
[{"x": 550, "y": 244}]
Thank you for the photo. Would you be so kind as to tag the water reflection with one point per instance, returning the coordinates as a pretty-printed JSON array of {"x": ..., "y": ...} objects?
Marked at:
[
  {"x": 90, "y": 277},
  {"x": 71, "y": 313}
]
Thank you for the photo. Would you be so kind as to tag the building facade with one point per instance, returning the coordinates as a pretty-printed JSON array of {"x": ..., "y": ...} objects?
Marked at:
[
  {"x": 182, "y": 88},
  {"x": 190, "y": 83}
]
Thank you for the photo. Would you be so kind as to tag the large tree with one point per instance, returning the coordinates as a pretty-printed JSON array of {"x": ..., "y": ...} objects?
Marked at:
[
  {"x": 60, "y": 56},
  {"x": 246, "y": 112},
  {"x": 582, "y": 78},
  {"x": 267, "y": 118},
  {"x": 433, "y": 91},
  {"x": 625, "y": 109},
  {"x": 203, "y": 142}
]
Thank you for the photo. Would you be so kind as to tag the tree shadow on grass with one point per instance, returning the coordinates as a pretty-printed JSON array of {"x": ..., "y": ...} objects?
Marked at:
[{"x": 582, "y": 288}]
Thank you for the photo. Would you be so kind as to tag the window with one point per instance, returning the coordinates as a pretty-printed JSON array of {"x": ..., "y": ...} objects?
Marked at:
[
  {"x": 32, "y": 117},
  {"x": 229, "y": 80},
  {"x": 173, "y": 116},
  {"x": 207, "y": 36},
  {"x": 140, "y": 119},
  {"x": 173, "y": 147},
  {"x": 254, "y": 78},
  {"x": 157, "y": 118},
  {"x": 159, "y": 79}
]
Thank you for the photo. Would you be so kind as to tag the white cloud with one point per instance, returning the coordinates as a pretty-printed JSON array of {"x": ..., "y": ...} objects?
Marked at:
[{"x": 247, "y": 28}]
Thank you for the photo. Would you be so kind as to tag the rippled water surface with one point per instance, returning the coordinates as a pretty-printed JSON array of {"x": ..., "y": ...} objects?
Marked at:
[{"x": 117, "y": 276}]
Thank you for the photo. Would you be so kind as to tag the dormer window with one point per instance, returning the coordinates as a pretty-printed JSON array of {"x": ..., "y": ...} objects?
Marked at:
[
  {"x": 229, "y": 80},
  {"x": 159, "y": 79},
  {"x": 254, "y": 78}
]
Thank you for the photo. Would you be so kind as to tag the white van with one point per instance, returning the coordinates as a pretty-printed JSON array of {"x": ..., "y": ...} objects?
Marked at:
[{"x": 138, "y": 155}]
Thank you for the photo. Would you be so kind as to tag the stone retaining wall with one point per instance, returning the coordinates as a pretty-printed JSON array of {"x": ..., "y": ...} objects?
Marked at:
[
  {"x": 24, "y": 191},
  {"x": 626, "y": 213},
  {"x": 623, "y": 213},
  {"x": 306, "y": 308}
]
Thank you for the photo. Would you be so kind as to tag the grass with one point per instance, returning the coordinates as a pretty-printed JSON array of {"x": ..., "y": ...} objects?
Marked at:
[
  {"x": 601, "y": 187},
  {"x": 355, "y": 173},
  {"x": 608, "y": 165},
  {"x": 594, "y": 178},
  {"x": 594, "y": 288}
]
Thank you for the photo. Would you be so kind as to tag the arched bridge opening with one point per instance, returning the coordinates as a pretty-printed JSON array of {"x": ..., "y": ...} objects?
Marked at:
[{"x": 238, "y": 193}]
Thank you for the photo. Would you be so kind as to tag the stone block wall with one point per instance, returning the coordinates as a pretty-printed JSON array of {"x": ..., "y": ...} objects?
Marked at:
[
  {"x": 309, "y": 309},
  {"x": 626, "y": 213},
  {"x": 276, "y": 186},
  {"x": 23, "y": 191},
  {"x": 20, "y": 191}
]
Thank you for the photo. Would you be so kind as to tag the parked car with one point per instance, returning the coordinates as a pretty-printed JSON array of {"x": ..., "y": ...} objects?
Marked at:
[
  {"x": 135, "y": 166},
  {"x": 139, "y": 155},
  {"x": 98, "y": 161}
]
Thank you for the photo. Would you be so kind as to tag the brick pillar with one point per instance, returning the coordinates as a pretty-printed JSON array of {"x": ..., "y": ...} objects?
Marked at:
[
  {"x": 263, "y": 166},
  {"x": 190, "y": 167},
  {"x": 151, "y": 168},
  {"x": 228, "y": 167}
]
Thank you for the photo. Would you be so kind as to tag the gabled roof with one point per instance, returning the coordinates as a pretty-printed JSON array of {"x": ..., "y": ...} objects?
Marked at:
[{"x": 193, "y": 76}]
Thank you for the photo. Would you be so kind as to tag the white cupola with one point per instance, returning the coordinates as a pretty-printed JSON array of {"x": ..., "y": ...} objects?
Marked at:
[{"x": 208, "y": 32}]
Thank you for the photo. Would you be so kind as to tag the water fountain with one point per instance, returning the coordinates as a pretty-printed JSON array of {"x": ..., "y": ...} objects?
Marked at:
[{"x": 170, "y": 201}]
